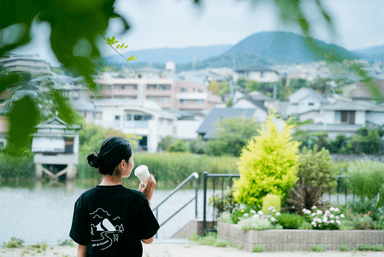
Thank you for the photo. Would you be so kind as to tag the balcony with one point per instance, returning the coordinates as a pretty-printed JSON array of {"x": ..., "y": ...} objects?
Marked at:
[{"x": 136, "y": 124}]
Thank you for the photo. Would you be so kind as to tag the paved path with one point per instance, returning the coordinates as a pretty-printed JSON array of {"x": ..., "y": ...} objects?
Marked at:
[{"x": 178, "y": 248}]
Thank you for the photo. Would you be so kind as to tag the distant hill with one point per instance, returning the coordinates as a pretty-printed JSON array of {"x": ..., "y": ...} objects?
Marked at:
[
  {"x": 177, "y": 55},
  {"x": 371, "y": 54},
  {"x": 286, "y": 46},
  {"x": 266, "y": 48}
]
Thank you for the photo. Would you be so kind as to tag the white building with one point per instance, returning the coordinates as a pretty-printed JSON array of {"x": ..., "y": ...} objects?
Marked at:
[
  {"x": 259, "y": 73},
  {"x": 138, "y": 117},
  {"x": 346, "y": 118},
  {"x": 26, "y": 63},
  {"x": 305, "y": 100}
]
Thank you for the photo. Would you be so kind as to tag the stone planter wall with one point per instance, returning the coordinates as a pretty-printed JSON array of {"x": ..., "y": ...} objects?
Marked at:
[
  {"x": 297, "y": 240},
  {"x": 193, "y": 226}
]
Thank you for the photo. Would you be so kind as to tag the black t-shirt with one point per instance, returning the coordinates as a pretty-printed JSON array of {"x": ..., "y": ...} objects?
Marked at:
[{"x": 111, "y": 221}]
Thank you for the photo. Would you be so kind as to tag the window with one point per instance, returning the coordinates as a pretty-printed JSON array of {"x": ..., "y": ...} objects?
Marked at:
[
  {"x": 165, "y": 99},
  {"x": 194, "y": 90},
  {"x": 295, "y": 103},
  {"x": 117, "y": 117},
  {"x": 262, "y": 74},
  {"x": 122, "y": 87},
  {"x": 151, "y": 86},
  {"x": 184, "y": 89},
  {"x": 348, "y": 117},
  {"x": 110, "y": 87},
  {"x": 138, "y": 117},
  {"x": 147, "y": 117},
  {"x": 129, "y": 117},
  {"x": 311, "y": 104},
  {"x": 166, "y": 87},
  {"x": 98, "y": 115},
  {"x": 183, "y": 101},
  {"x": 199, "y": 101}
]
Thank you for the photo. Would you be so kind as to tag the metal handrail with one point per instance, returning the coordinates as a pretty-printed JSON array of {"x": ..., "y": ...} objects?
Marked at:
[{"x": 193, "y": 175}]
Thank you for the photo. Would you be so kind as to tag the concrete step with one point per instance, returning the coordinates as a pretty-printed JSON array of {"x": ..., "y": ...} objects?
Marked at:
[{"x": 173, "y": 241}]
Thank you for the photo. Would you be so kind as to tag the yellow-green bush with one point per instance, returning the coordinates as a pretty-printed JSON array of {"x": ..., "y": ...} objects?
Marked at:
[
  {"x": 268, "y": 164},
  {"x": 271, "y": 200}
]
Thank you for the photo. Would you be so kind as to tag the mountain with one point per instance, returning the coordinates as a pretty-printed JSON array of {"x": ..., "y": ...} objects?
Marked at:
[
  {"x": 266, "y": 48},
  {"x": 288, "y": 46},
  {"x": 177, "y": 55},
  {"x": 371, "y": 54}
]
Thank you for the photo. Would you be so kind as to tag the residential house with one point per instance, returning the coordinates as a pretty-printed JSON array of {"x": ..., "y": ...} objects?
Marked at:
[
  {"x": 187, "y": 124},
  {"x": 259, "y": 73},
  {"x": 147, "y": 73},
  {"x": 143, "y": 118},
  {"x": 242, "y": 101},
  {"x": 169, "y": 94},
  {"x": 305, "y": 100},
  {"x": 26, "y": 63},
  {"x": 346, "y": 118}
]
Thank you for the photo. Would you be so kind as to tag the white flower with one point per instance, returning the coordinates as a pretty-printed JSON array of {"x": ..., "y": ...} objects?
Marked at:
[
  {"x": 319, "y": 212},
  {"x": 327, "y": 212},
  {"x": 342, "y": 216},
  {"x": 245, "y": 215},
  {"x": 253, "y": 211},
  {"x": 313, "y": 214},
  {"x": 337, "y": 217},
  {"x": 331, "y": 209},
  {"x": 304, "y": 210},
  {"x": 260, "y": 212},
  {"x": 332, "y": 221},
  {"x": 273, "y": 210},
  {"x": 273, "y": 219},
  {"x": 337, "y": 209},
  {"x": 313, "y": 207},
  {"x": 270, "y": 208},
  {"x": 256, "y": 216},
  {"x": 338, "y": 222},
  {"x": 325, "y": 219},
  {"x": 308, "y": 212},
  {"x": 313, "y": 223},
  {"x": 332, "y": 216},
  {"x": 277, "y": 213}
]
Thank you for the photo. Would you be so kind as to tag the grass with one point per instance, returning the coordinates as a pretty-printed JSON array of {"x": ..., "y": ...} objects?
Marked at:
[
  {"x": 66, "y": 242},
  {"x": 210, "y": 239},
  {"x": 14, "y": 243},
  {"x": 258, "y": 249},
  {"x": 43, "y": 246},
  {"x": 343, "y": 248},
  {"x": 239, "y": 247},
  {"x": 318, "y": 248},
  {"x": 365, "y": 247},
  {"x": 221, "y": 243}
]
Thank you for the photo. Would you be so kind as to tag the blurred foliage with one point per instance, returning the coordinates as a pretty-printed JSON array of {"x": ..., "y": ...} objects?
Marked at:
[
  {"x": 16, "y": 166},
  {"x": 368, "y": 206},
  {"x": 231, "y": 135},
  {"x": 290, "y": 221},
  {"x": 224, "y": 202},
  {"x": 271, "y": 200},
  {"x": 198, "y": 146},
  {"x": 268, "y": 164}
]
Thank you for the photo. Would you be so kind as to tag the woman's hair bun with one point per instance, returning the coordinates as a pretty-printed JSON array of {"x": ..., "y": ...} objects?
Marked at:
[{"x": 93, "y": 160}]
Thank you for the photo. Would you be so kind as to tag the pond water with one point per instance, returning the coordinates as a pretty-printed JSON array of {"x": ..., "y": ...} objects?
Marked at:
[{"x": 44, "y": 213}]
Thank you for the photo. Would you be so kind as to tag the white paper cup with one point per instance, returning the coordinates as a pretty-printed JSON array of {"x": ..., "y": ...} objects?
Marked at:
[{"x": 142, "y": 173}]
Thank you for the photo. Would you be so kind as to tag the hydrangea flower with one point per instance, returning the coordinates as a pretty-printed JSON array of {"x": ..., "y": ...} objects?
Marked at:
[
  {"x": 273, "y": 219},
  {"x": 331, "y": 216},
  {"x": 337, "y": 210},
  {"x": 270, "y": 208},
  {"x": 260, "y": 212},
  {"x": 319, "y": 212},
  {"x": 245, "y": 215},
  {"x": 338, "y": 222},
  {"x": 253, "y": 211},
  {"x": 277, "y": 213},
  {"x": 313, "y": 207},
  {"x": 342, "y": 216},
  {"x": 331, "y": 209}
]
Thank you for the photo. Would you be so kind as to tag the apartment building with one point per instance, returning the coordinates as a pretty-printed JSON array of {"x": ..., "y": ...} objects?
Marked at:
[
  {"x": 167, "y": 93},
  {"x": 26, "y": 63}
]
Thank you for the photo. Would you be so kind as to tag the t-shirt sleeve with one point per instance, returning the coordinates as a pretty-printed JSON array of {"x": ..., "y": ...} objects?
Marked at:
[
  {"x": 147, "y": 224},
  {"x": 79, "y": 227}
]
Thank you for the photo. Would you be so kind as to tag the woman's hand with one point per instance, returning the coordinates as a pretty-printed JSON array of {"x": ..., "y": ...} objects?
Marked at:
[{"x": 149, "y": 188}]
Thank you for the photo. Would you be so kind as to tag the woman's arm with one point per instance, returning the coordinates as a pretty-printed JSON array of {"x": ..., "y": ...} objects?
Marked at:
[
  {"x": 81, "y": 250},
  {"x": 147, "y": 241}
]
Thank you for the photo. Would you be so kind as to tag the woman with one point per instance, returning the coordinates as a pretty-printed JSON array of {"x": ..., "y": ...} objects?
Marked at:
[{"x": 109, "y": 219}]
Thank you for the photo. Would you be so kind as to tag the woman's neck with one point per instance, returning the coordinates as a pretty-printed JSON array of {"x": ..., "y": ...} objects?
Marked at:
[{"x": 109, "y": 180}]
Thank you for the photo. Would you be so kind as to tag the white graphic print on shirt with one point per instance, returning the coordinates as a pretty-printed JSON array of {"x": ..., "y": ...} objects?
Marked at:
[{"x": 104, "y": 232}]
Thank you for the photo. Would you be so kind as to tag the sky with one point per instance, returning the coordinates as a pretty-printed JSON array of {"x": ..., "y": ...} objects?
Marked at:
[{"x": 179, "y": 23}]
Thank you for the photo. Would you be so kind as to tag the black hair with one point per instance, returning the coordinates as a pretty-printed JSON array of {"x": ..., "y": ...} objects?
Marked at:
[{"x": 112, "y": 151}]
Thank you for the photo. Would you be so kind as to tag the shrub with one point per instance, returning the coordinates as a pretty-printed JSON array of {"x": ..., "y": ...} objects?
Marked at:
[
  {"x": 290, "y": 221},
  {"x": 378, "y": 248},
  {"x": 343, "y": 248},
  {"x": 226, "y": 218},
  {"x": 178, "y": 146},
  {"x": 329, "y": 219},
  {"x": 257, "y": 223},
  {"x": 317, "y": 174},
  {"x": 379, "y": 224},
  {"x": 305, "y": 225},
  {"x": 366, "y": 179},
  {"x": 368, "y": 206},
  {"x": 198, "y": 146},
  {"x": 14, "y": 243},
  {"x": 271, "y": 200},
  {"x": 13, "y": 166},
  {"x": 258, "y": 249},
  {"x": 225, "y": 202},
  {"x": 364, "y": 247},
  {"x": 268, "y": 164},
  {"x": 318, "y": 248},
  {"x": 363, "y": 223}
]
